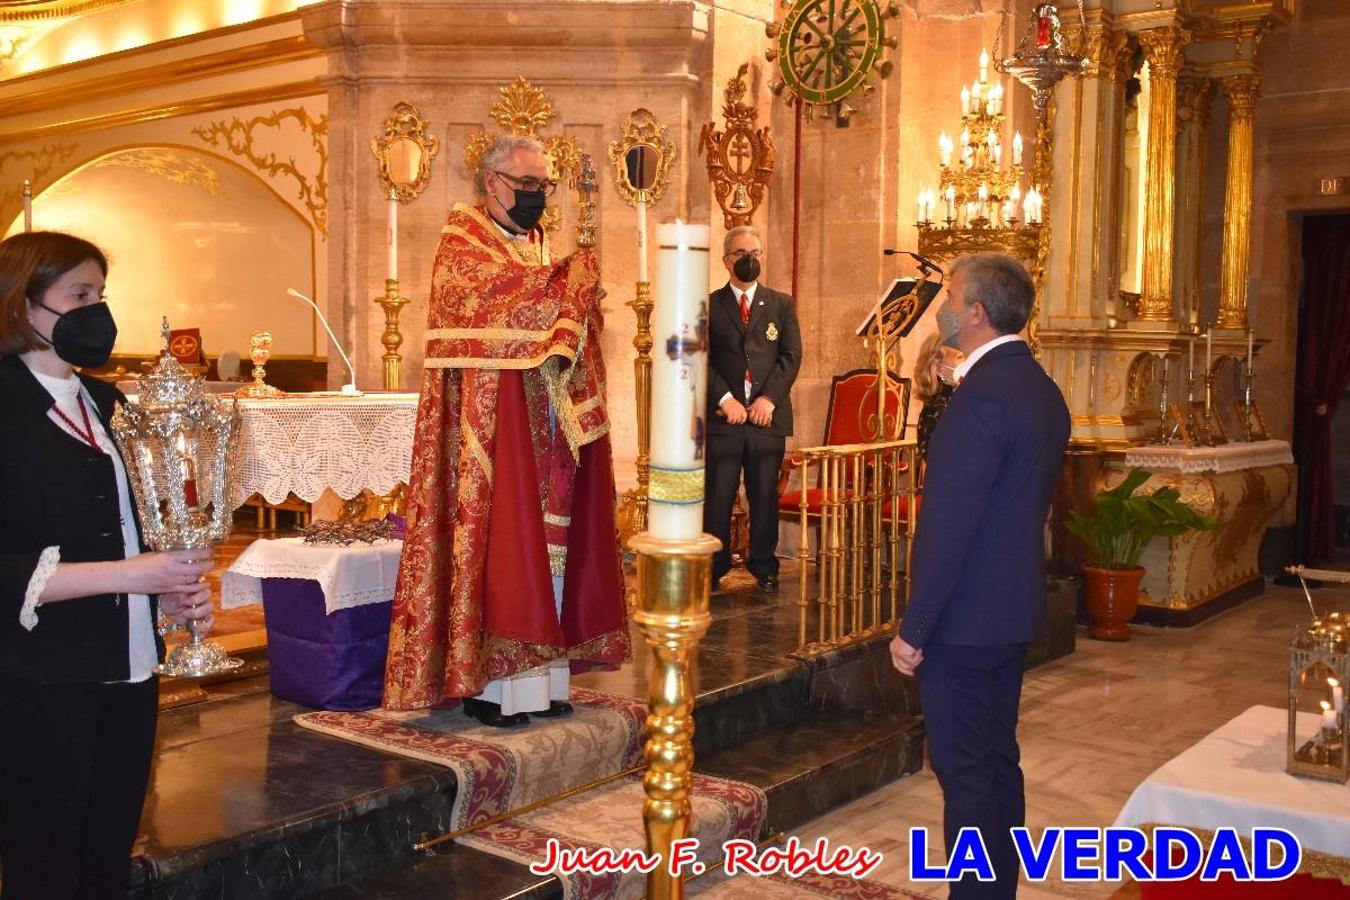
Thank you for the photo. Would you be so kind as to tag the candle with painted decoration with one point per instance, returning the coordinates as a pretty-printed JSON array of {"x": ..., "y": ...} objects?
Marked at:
[
  {"x": 392, "y": 237},
  {"x": 679, "y": 374},
  {"x": 642, "y": 239}
]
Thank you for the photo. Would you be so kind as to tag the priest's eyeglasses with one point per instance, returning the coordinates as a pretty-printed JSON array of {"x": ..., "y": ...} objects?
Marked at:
[
  {"x": 742, "y": 254},
  {"x": 547, "y": 185}
]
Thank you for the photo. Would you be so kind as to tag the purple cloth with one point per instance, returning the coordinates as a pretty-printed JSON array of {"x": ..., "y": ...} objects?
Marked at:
[{"x": 320, "y": 660}]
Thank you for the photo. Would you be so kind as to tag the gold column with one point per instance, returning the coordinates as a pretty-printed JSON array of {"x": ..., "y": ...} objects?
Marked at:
[
  {"x": 673, "y": 578},
  {"x": 1193, "y": 100},
  {"x": 1242, "y": 91},
  {"x": 1163, "y": 48},
  {"x": 392, "y": 338}
]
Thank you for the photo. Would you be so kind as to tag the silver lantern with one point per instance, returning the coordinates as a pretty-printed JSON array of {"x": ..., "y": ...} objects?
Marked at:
[
  {"x": 1319, "y": 676},
  {"x": 179, "y": 448}
]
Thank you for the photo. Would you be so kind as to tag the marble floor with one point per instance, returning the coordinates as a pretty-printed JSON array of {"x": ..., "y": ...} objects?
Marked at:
[{"x": 1097, "y": 723}]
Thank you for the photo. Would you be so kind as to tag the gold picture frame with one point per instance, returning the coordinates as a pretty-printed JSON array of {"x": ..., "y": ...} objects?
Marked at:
[
  {"x": 405, "y": 152},
  {"x": 642, "y": 158}
]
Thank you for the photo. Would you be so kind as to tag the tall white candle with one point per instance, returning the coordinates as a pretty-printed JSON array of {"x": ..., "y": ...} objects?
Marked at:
[
  {"x": 1337, "y": 695},
  {"x": 679, "y": 377},
  {"x": 1328, "y": 717},
  {"x": 1209, "y": 347},
  {"x": 392, "y": 238},
  {"x": 642, "y": 240},
  {"x": 1190, "y": 358},
  {"x": 1250, "y": 335},
  {"x": 27, "y": 205}
]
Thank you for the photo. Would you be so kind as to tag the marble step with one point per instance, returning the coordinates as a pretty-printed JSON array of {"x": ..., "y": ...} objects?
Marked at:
[{"x": 804, "y": 769}]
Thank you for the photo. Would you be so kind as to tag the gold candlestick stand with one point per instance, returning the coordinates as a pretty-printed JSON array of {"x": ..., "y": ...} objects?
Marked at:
[
  {"x": 392, "y": 338},
  {"x": 674, "y": 581},
  {"x": 633, "y": 506}
]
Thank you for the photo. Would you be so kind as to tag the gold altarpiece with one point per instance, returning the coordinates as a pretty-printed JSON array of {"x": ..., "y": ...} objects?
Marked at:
[{"x": 1120, "y": 305}]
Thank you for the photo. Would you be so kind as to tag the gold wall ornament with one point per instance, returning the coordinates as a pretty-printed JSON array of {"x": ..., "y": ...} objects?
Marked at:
[
  {"x": 642, "y": 157},
  {"x": 1242, "y": 91},
  {"x": 175, "y": 166},
  {"x": 1163, "y": 48},
  {"x": 740, "y": 157},
  {"x": 405, "y": 152},
  {"x": 828, "y": 52},
  {"x": 239, "y": 137},
  {"x": 41, "y": 161},
  {"x": 522, "y": 109}
]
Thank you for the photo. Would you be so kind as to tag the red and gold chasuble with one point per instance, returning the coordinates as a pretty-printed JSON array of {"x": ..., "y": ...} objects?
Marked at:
[{"x": 504, "y": 495}]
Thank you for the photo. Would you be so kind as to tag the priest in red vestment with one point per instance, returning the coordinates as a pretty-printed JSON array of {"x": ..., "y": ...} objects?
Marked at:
[{"x": 510, "y": 576}]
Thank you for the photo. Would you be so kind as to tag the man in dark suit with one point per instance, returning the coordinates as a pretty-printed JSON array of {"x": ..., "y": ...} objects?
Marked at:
[
  {"x": 978, "y": 595},
  {"x": 755, "y": 350}
]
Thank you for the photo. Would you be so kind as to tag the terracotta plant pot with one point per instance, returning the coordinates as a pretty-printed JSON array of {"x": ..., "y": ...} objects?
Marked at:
[{"x": 1112, "y": 599}]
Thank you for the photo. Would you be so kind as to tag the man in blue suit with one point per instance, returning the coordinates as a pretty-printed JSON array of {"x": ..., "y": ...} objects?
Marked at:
[{"x": 978, "y": 595}]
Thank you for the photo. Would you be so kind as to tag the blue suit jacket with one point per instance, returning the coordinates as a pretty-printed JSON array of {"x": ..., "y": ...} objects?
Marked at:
[{"x": 993, "y": 460}]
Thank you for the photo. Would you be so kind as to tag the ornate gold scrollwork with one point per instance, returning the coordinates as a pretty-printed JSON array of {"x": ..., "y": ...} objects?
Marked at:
[
  {"x": 176, "y": 166},
  {"x": 405, "y": 152},
  {"x": 44, "y": 159},
  {"x": 642, "y": 157},
  {"x": 238, "y": 137},
  {"x": 740, "y": 157},
  {"x": 522, "y": 108}
]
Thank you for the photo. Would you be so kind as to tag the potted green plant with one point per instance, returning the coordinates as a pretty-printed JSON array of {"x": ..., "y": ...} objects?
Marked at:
[{"x": 1116, "y": 532}]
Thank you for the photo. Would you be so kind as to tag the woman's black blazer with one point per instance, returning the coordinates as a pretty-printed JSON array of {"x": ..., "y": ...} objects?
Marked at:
[{"x": 56, "y": 491}]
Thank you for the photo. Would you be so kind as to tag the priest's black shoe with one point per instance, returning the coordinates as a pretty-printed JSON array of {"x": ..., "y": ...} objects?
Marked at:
[
  {"x": 491, "y": 714},
  {"x": 555, "y": 708},
  {"x": 768, "y": 583}
]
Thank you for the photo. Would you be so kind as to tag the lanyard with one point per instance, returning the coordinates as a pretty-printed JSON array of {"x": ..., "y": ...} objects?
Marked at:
[{"x": 87, "y": 434}]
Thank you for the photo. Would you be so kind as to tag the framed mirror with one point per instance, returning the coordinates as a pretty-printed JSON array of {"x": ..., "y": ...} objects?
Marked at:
[
  {"x": 405, "y": 152},
  {"x": 642, "y": 158}
]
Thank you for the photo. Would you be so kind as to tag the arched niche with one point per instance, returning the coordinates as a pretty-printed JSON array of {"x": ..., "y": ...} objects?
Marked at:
[{"x": 194, "y": 236}]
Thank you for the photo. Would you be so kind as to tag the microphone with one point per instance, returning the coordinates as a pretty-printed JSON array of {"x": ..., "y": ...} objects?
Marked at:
[
  {"x": 925, "y": 264},
  {"x": 350, "y": 387}
]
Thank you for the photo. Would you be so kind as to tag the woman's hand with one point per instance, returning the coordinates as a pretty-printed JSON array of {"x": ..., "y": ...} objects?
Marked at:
[
  {"x": 167, "y": 572},
  {"x": 189, "y": 606}
]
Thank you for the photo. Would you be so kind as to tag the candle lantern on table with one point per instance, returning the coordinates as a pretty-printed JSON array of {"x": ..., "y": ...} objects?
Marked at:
[
  {"x": 1319, "y": 670},
  {"x": 178, "y": 446}
]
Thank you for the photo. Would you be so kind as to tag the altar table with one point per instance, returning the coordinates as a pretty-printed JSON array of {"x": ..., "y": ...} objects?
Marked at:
[
  {"x": 1243, "y": 486},
  {"x": 327, "y": 610},
  {"x": 1235, "y": 777},
  {"x": 306, "y": 444}
]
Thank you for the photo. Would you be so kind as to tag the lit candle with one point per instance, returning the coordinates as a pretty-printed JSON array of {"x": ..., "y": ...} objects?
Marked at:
[
  {"x": 1016, "y": 194},
  {"x": 1209, "y": 347},
  {"x": 642, "y": 239},
  {"x": 965, "y": 100},
  {"x": 1005, "y": 212},
  {"x": 188, "y": 472},
  {"x": 921, "y": 199},
  {"x": 983, "y": 195},
  {"x": 950, "y": 196},
  {"x": 996, "y": 99},
  {"x": 679, "y": 372},
  {"x": 27, "y": 205},
  {"x": 1337, "y": 695},
  {"x": 984, "y": 65},
  {"x": 1042, "y": 32},
  {"x": 1017, "y": 148},
  {"x": 1328, "y": 717},
  {"x": 392, "y": 237},
  {"x": 970, "y": 211},
  {"x": 998, "y": 154},
  {"x": 1250, "y": 335},
  {"x": 945, "y": 149}
]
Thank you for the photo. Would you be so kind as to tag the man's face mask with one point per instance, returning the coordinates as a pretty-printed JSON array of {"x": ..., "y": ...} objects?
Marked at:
[
  {"x": 83, "y": 336},
  {"x": 949, "y": 325},
  {"x": 746, "y": 269},
  {"x": 529, "y": 208}
]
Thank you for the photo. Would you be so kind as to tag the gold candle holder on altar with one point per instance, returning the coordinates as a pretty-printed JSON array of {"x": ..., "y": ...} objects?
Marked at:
[
  {"x": 260, "y": 351},
  {"x": 674, "y": 581},
  {"x": 1319, "y": 674},
  {"x": 178, "y": 447},
  {"x": 392, "y": 304}
]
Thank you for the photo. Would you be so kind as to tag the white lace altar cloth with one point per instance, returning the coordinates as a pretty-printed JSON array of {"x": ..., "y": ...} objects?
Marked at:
[
  {"x": 1225, "y": 458},
  {"x": 305, "y": 444},
  {"x": 349, "y": 576}
]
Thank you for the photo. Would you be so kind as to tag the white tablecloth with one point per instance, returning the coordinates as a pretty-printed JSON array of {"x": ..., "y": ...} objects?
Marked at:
[
  {"x": 1235, "y": 777},
  {"x": 349, "y": 576},
  {"x": 303, "y": 444},
  {"x": 1225, "y": 458}
]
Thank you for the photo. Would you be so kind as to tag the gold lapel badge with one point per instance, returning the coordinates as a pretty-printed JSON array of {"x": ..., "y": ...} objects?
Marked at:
[{"x": 771, "y": 332}]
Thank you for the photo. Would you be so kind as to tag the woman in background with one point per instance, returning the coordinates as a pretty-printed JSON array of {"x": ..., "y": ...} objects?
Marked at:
[
  {"x": 78, "y": 596},
  {"x": 934, "y": 382}
]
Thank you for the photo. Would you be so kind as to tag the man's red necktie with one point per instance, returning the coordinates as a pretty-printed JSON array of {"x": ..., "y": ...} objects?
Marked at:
[{"x": 745, "y": 320}]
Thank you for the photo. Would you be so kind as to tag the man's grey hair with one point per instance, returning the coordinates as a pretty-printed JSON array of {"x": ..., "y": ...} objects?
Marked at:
[
  {"x": 496, "y": 156},
  {"x": 1001, "y": 285},
  {"x": 737, "y": 232}
]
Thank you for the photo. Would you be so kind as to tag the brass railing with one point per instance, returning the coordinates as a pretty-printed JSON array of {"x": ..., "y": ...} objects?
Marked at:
[{"x": 864, "y": 507}]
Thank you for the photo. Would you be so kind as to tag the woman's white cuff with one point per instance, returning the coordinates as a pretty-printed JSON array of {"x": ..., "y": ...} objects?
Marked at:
[{"x": 46, "y": 568}]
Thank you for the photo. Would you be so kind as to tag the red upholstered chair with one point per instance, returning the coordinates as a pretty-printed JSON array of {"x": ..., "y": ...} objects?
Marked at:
[{"x": 853, "y": 402}]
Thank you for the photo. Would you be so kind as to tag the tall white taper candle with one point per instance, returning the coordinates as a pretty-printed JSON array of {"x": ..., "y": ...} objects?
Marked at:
[
  {"x": 27, "y": 205},
  {"x": 679, "y": 379},
  {"x": 392, "y": 238},
  {"x": 642, "y": 239}
]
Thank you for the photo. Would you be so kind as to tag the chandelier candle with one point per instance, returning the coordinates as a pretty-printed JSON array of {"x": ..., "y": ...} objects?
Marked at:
[{"x": 679, "y": 375}]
